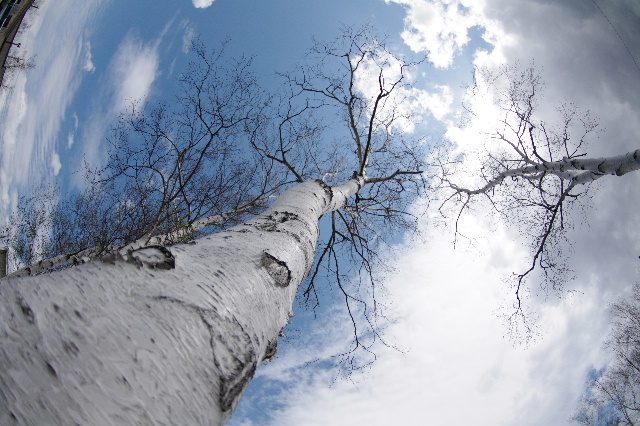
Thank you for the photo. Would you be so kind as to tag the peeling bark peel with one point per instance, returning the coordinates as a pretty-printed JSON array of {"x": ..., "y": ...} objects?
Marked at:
[{"x": 168, "y": 337}]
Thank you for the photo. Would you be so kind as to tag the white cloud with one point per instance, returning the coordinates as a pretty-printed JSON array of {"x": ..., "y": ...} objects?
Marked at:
[
  {"x": 438, "y": 28},
  {"x": 201, "y": 4},
  {"x": 441, "y": 28},
  {"x": 408, "y": 104},
  {"x": 88, "y": 58},
  {"x": 56, "y": 165},
  {"x": 458, "y": 367},
  {"x": 16, "y": 156},
  {"x": 129, "y": 80},
  {"x": 35, "y": 108},
  {"x": 187, "y": 37},
  {"x": 133, "y": 70},
  {"x": 438, "y": 102},
  {"x": 72, "y": 134}
]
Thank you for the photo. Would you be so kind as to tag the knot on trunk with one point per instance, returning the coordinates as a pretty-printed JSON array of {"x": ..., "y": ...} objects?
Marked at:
[
  {"x": 277, "y": 269},
  {"x": 153, "y": 257}
]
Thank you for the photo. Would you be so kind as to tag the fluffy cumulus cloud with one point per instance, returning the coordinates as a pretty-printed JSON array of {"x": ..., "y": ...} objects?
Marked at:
[
  {"x": 201, "y": 4},
  {"x": 441, "y": 28},
  {"x": 407, "y": 104}
]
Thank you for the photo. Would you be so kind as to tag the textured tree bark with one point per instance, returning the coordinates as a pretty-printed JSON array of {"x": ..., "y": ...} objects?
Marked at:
[
  {"x": 577, "y": 171},
  {"x": 158, "y": 336}
]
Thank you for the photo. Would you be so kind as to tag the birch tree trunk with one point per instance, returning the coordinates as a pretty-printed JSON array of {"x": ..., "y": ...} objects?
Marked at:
[{"x": 159, "y": 336}]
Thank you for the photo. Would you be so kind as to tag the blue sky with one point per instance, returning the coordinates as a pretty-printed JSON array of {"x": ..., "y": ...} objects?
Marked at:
[{"x": 96, "y": 56}]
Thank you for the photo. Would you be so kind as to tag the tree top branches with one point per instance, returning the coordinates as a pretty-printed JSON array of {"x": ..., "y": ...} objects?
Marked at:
[{"x": 531, "y": 173}]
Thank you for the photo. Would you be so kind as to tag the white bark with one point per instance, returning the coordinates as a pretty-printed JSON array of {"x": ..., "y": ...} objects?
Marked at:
[
  {"x": 158, "y": 336},
  {"x": 576, "y": 171},
  {"x": 86, "y": 255}
]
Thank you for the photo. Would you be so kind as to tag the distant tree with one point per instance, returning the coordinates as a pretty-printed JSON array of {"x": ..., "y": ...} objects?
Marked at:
[
  {"x": 613, "y": 396},
  {"x": 16, "y": 63},
  {"x": 12, "y": 66}
]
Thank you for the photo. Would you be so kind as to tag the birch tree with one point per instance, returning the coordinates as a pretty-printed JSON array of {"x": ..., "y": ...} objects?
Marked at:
[
  {"x": 174, "y": 172},
  {"x": 531, "y": 175},
  {"x": 158, "y": 335}
]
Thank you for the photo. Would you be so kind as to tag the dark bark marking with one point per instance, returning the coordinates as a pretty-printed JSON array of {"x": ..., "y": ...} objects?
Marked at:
[
  {"x": 234, "y": 378},
  {"x": 219, "y": 274},
  {"x": 26, "y": 310},
  {"x": 272, "y": 221},
  {"x": 236, "y": 374},
  {"x": 70, "y": 348},
  {"x": 154, "y": 257},
  {"x": 231, "y": 389},
  {"x": 52, "y": 370},
  {"x": 295, "y": 237},
  {"x": 326, "y": 188},
  {"x": 272, "y": 348},
  {"x": 600, "y": 167},
  {"x": 277, "y": 269},
  {"x": 282, "y": 217}
]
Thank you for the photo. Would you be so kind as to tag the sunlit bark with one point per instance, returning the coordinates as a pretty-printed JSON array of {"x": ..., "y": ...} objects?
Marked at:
[
  {"x": 576, "y": 171},
  {"x": 159, "y": 336}
]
